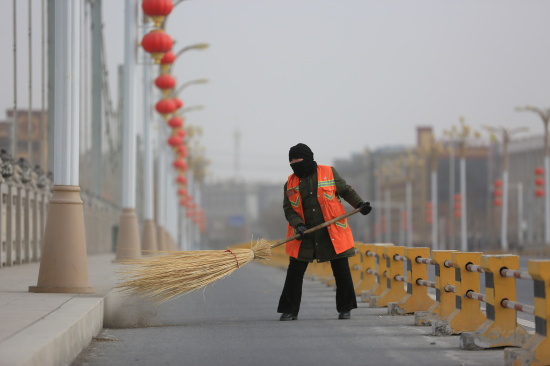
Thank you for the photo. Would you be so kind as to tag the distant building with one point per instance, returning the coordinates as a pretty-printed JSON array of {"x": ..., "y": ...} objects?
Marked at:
[
  {"x": 380, "y": 176},
  {"x": 39, "y": 135},
  {"x": 237, "y": 211}
]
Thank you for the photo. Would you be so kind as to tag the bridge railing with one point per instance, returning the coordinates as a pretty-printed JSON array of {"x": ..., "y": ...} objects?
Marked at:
[{"x": 25, "y": 194}]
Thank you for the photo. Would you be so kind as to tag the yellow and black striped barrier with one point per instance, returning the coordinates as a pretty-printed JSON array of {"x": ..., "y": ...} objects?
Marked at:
[
  {"x": 417, "y": 298},
  {"x": 467, "y": 315},
  {"x": 368, "y": 269},
  {"x": 500, "y": 329},
  {"x": 379, "y": 278}
]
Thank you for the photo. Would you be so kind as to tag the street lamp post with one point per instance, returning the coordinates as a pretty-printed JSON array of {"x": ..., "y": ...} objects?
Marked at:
[
  {"x": 149, "y": 230},
  {"x": 545, "y": 116},
  {"x": 63, "y": 267},
  {"x": 452, "y": 135},
  {"x": 163, "y": 151},
  {"x": 434, "y": 151},
  {"x": 410, "y": 163},
  {"x": 506, "y": 136},
  {"x": 463, "y": 135},
  {"x": 128, "y": 245},
  {"x": 187, "y": 84}
]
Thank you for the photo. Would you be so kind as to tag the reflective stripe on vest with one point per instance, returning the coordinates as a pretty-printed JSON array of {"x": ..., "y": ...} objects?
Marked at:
[{"x": 331, "y": 206}]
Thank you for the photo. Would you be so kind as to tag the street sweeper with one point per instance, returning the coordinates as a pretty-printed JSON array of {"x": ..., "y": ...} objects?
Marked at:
[{"x": 312, "y": 197}]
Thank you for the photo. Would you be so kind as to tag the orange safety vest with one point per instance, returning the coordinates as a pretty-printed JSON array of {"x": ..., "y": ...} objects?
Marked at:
[{"x": 339, "y": 232}]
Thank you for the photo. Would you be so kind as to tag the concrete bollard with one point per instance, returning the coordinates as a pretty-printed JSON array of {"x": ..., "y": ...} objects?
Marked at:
[
  {"x": 326, "y": 275},
  {"x": 355, "y": 266},
  {"x": 467, "y": 315},
  {"x": 311, "y": 269},
  {"x": 368, "y": 281},
  {"x": 536, "y": 351},
  {"x": 444, "y": 301},
  {"x": 417, "y": 298},
  {"x": 319, "y": 268},
  {"x": 395, "y": 290},
  {"x": 500, "y": 329},
  {"x": 380, "y": 269}
]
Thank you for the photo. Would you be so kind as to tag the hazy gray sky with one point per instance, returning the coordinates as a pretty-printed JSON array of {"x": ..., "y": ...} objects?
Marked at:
[{"x": 339, "y": 76}]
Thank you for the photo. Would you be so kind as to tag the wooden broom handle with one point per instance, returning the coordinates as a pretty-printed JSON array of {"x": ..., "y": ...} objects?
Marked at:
[{"x": 324, "y": 224}]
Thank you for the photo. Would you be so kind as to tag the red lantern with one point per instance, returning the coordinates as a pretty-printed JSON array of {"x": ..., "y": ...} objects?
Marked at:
[
  {"x": 157, "y": 43},
  {"x": 157, "y": 9},
  {"x": 182, "y": 192},
  {"x": 174, "y": 141},
  {"x": 458, "y": 205},
  {"x": 498, "y": 202},
  {"x": 165, "y": 107},
  {"x": 175, "y": 122},
  {"x": 498, "y": 183},
  {"x": 181, "y": 180},
  {"x": 181, "y": 133},
  {"x": 166, "y": 83},
  {"x": 539, "y": 193},
  {"x": 182, "y": 151},
  {"x": 180, "y": 164},
  {"x": 179, "y": 102},
  {"x": 167, "y": 60},
  {"x": 539, "y": 171},
  {"x": 539, "y": 182},
  {"x": 183, "y": 202},
  {"x": 498, "y": 193}
]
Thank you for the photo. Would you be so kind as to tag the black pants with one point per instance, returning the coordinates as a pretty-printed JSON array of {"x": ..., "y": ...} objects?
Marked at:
[{"x": 292, "y": 291}]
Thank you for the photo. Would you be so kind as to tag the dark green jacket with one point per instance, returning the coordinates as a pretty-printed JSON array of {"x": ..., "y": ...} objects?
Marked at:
[{"x": 318, "y": 244}]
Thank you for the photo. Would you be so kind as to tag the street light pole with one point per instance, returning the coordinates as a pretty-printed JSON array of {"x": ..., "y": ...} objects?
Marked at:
[
  {"x": 451, "y": 197},
  {"x": 187, "y": 84},
  {"x": 463, "y": 135},
  {"x": 63, "y": 267},
  {"x": 506, "y": 136},
  {"x": 545, "y": 116},
  {"x": 128, "y": 246},
  {"x": 434, "y": 153},
  {"x": 29, "y": 112},
  {"x": 149, "y": 233}
]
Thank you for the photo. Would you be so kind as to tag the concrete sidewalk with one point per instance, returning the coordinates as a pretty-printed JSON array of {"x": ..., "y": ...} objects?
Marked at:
[{"x": 50, "y": 329}]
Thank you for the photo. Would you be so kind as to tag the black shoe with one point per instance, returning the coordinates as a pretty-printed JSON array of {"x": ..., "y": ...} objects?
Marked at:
[
  {"x": 288, "y": 316},
  {"x": 344, "y": 315}
]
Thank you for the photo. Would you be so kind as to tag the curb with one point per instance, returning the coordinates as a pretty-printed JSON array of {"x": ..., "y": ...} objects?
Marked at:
[{"x": 59, "y": 337}]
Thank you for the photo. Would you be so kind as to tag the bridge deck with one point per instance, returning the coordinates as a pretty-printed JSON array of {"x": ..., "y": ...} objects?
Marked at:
[{"x": 235, "y": 322}]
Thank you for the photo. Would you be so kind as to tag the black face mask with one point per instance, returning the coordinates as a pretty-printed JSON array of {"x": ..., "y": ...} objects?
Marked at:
[{"x": 303, "y": 168}]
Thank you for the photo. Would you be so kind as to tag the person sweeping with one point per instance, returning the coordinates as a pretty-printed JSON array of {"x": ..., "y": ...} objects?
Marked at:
[
  {"x": 312, "y": 197},
  {"x": 172, "y": 274}
]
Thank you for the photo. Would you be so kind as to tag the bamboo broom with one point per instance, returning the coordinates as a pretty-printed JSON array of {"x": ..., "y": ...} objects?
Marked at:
[{"x": 175, "y": 274}]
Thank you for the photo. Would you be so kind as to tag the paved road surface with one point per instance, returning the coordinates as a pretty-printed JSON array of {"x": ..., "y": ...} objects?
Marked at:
[{"x": 235, "y": 322}]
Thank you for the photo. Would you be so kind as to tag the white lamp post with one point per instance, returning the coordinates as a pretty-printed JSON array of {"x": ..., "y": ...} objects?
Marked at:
[
  {"x": 506, "y": 136},
  {"x": 63, "y": 266},
  {"x": 545, "y": 116},
  {"x": 128, "y": 245}
]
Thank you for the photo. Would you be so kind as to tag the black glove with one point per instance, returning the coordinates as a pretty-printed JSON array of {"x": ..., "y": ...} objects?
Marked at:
[
  {"x": 300, "y": 228},
  {"x": 365, "y": 208}
]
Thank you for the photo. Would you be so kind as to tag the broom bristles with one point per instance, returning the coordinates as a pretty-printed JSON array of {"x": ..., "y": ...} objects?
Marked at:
[{"x": 175, "y": 274}]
